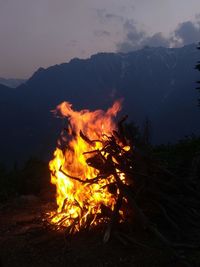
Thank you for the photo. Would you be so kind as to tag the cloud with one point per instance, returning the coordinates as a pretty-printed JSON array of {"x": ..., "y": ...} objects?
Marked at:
[
  {"x": 133, "y": 39},
  {"x": 104, "y": 16},
  {"x": 186, "y": 33},
  {"x": 136, "y": 39},
  {"x": 133, "y": 34},
  {"x": 157, "y": 40},
  {"x": 102, "y": 33},
  {"x": 111, "y": 16}
]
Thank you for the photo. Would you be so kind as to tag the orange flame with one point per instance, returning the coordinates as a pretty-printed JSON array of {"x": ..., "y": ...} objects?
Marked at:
[{"x": 80, "y": 202}]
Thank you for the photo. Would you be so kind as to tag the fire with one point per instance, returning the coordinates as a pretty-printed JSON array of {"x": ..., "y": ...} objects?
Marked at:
[{"x": 78, "y": 198}]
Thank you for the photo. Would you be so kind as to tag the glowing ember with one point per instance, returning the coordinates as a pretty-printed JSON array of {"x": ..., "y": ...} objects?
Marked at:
[{"x": 80, "y": 194}]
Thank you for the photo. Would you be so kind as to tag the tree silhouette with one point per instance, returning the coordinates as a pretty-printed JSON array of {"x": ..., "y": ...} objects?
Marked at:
[
  {"x": 146, "y": 136},
  {"x": 198, "y": 68}
]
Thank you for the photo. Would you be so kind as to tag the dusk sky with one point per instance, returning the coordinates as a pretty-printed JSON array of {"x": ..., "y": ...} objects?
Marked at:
[{"x": 41, "y": 33}]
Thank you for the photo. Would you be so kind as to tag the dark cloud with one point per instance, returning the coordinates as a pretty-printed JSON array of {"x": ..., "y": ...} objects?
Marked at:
[
  {"x": 133, "y": 34},
  {"x": 102, "y": 33},
  {"x": 136, "y": 39},
  {"x": 100, "y": 13},
  {"x": 188, "y": 32},
  {"x": 111, "y": 16},
  {"x": 133, "y": 38},
  {"x": 157, "y": 40},
  {"x": 104, "y": 16}
]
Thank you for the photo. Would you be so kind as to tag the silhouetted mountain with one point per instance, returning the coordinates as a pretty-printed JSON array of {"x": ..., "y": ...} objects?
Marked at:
[
  {"x": 158, "y": 83},
  {"x": 13, "y": 83}
]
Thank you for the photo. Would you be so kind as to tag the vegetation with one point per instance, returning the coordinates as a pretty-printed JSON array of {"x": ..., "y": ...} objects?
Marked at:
[
  {"x": 32, "y": 178},
  {"x": 182, "y": 158},
  {"x": 198, "y": 68}
]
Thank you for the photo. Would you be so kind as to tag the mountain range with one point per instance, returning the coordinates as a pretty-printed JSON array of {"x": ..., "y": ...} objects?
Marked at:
[
  {"x": 13, "y": 83},
  {"x": 158, "y": 83}
]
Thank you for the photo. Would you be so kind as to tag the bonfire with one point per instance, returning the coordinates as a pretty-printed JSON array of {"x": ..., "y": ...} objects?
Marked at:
[
  {"x": 101, "y": 179},
  {"x": 87, "y": 172}
]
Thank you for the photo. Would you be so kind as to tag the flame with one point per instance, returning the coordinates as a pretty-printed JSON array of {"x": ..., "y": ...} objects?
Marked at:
[{"x": 79, "y": 203}]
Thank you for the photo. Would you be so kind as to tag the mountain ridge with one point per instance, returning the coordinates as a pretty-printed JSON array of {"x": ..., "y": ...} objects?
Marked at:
[{"x": 12, "y": 83}]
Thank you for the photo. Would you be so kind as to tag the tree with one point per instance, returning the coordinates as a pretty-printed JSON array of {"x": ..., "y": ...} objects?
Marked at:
[
  {"x": 198, "y": 68},
  {"x": 146, "y": 136}
]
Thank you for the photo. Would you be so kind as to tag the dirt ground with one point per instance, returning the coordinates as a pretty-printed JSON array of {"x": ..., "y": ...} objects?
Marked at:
[{"x": 26, "y": 241}]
